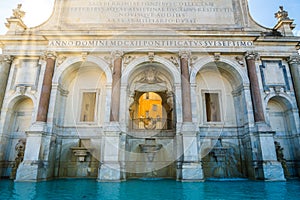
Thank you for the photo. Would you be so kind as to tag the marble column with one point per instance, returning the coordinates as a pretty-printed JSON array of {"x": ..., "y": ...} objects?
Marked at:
[
  {"x": 5, "y": 64},
  {"x": 116, "y": 86},
  {"x": 254, "y": 87},
  {"x": 46, "y": 88},
  {"x": 294, "y": 62},
  {"x": 185, "y": 85}
]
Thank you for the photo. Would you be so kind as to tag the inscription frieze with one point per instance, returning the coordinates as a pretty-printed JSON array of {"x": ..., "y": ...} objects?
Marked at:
[{"x": 148, "y": 43}]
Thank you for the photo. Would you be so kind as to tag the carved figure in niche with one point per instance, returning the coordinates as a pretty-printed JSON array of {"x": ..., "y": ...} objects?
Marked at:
[
  {"x": 18, "y": 13},
  {"x": 281, "y": 159},
  {"x": 149, "y": 123},
  {"x": 20, "y": 149}
]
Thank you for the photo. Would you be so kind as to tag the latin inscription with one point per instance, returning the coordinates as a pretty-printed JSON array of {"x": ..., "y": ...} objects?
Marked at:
[
  {"x": 150, "y": 11},
  {"x": 149, "y": 43}
]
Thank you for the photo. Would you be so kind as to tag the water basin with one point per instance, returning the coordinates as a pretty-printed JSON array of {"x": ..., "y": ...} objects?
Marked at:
[{"x": 89, "y": 189}]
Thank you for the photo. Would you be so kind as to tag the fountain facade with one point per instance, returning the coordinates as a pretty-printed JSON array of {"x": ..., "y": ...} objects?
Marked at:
[{"x": 222, "y": 162}]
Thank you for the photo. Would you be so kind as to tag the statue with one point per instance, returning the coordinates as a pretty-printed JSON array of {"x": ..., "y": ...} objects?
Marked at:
[
  {"x": 20, "y": 149},
  {"x": 281, "y": 159},
  {"x": 282, "y": 14},
  {"x": 18, "y": 13}
]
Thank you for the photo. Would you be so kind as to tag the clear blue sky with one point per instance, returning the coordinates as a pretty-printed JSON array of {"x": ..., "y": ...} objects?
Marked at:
[{"x": 39, "y": 10}]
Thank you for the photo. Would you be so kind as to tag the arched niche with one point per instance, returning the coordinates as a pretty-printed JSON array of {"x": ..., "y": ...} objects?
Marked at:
[
  {"x": 81, "y": 96},
  {"x": 220, "y": 94},
  {"x": 19, "y": 119},
  {"x": 281, "y": 118},
  {"x": 152, "y": 81}
]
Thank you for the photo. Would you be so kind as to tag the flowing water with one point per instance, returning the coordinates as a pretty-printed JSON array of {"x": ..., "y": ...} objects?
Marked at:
[{"x": 148, "y": 189}]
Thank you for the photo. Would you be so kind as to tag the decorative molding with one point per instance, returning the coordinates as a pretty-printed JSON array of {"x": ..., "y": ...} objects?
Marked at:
[
  {"x": 294, "y": 60},
  {"x": 117, "y": 54},
  {"x": 184, "y": 54},
  {"x": 84, "y": 56},
  {"x": 174, "y": 60},
  {"x": 7, "y": 59},
  {"x": 49, "y": 54},
  {"x": 251, "y": 55},
  {"x": 127, "y": 59},
  {"x": 60, "y": 59},
  {"x": 217, "y": 57},
  {"x": 150, "y": 76},
  {"x": 151, "y": 56},
  {"x": 240, "y": 60},
  {"x": 193, "y": 60},
  {"x": 108, "y": 60}
]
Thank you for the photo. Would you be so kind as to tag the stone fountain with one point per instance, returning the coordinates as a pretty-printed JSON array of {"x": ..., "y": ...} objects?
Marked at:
[
  {"x": 81, "y": 151},
  {"x": 150, "y": 148},
  {"x": 219, "y": 153},
  {"x": 222, "y": 162}
]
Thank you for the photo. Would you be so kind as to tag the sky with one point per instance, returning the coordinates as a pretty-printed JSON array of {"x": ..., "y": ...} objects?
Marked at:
[{"x": 38, "y": 11}]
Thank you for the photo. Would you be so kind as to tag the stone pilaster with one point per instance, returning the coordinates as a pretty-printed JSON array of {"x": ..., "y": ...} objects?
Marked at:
[
  {"x": 5, "y": 64},
  {"x": 110, "y": 168},
  {"x": 116, "y": 86},
  {"x": 46, "y": 88},
  {"x": 185, "y": 85},
  {"x": 33, "y": 168},
  {"x": 254, "y": 87},
  {"x": 294, "y": 62}
]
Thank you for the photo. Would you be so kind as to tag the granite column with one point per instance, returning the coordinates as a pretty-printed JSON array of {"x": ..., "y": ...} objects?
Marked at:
[
  {"x": 46, "y": 89},
  {"x": 5, "y": 64},
  {"x": 294, "y": 62},
  {"x": 185, "y": 85},
  {"x": 116, "y": 86},
  {"x": 254, "y": 87}
]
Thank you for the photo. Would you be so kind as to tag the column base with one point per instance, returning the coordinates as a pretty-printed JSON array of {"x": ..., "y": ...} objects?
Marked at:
[
  {"x": 31, "y": 171},
  {"x": 273, "y": 171},
  {"x": 109, "y": 173},
  {"x": 192, "y": 172}
]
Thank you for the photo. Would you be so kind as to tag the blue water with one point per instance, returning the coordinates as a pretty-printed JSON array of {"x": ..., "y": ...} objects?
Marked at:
[{"x": 147, "y": 190}]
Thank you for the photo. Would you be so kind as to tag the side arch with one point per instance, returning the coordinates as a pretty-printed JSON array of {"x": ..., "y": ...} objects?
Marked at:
[
  {"x": 234, "y": 68},
  {"x": 72, "y": 60}
]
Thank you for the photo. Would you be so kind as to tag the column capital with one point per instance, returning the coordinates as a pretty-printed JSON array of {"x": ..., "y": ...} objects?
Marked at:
[
  {"x": 184, "y": 54},
  {"x": 252, "y": 55},
  {"x": 7, "y": 59},
  {"x": 117, "y": 54},
  {"x": 294, "y": 60},
  {"x": 49, "y": 54}
]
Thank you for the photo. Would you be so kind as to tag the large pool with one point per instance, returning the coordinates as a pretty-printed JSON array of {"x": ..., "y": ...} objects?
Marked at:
[{"x": 146, "y": 190}]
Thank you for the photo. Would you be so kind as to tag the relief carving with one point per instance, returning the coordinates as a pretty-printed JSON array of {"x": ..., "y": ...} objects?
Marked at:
[{"x": 151, "y": 76}]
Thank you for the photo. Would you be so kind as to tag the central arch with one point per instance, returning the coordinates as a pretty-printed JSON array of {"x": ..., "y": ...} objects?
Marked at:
[
  {"x": 152, "y": 96},
  {"x": 151, "y": 90},
  {"x": 136, "y": 66}
]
